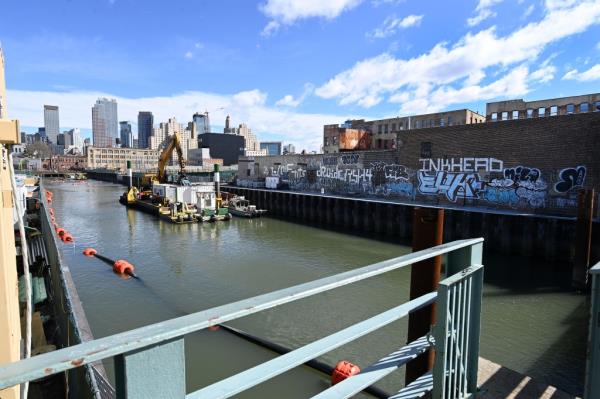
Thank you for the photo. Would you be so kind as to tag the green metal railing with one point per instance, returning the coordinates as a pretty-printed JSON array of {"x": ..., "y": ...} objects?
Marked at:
[
  {"x": 592, "y": 374},
  {"x": 150, "y": 361}
]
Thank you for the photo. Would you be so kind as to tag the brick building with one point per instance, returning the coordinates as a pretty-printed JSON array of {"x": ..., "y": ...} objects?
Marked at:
[
  {"x": 526, "y": 165},
  {"x": 69, "y": 162},
  {"x": 385, "y": 131},
  {"x": 519, "y": 109},
  {"x": 116, "y": 158}
]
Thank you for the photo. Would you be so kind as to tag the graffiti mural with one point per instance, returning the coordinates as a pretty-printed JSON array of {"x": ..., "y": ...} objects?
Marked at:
[
  {"x": 570, "y": 178},
  {"x": 452, "y": 185},
  {"x": 520, "y": 184},
  {"x": 475, "y": 181}
]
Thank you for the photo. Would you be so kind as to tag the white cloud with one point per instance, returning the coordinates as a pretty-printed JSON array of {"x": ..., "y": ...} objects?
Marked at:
[
  {"x": 304, "y": 130},
  {"x": 287, "y": 12},
  {"x": 189, "y": 55},
  {"x": 484, "y": 11},
  {"x": 528, "y": 11},
  {"x": 290, "y": 101},
  {"x": 392, "y": 24},
  {"x": 445, "y": 64},
  {"x": 591, "y": 74},
  {"x": 251, "y": 98}
]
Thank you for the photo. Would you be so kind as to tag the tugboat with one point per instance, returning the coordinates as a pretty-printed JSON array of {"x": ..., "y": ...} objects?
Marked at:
[{"x": 240, "y": 206}]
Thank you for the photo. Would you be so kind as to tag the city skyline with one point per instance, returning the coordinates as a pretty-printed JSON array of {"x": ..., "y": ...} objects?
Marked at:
[{"x": 350, "y": 59}]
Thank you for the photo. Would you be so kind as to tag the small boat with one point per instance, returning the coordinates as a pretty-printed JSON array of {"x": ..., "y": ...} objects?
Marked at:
[{"x": 239, "y": 206}]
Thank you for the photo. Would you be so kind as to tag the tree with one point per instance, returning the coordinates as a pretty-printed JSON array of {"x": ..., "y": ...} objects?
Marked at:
[{"x": 38, "y": 149}]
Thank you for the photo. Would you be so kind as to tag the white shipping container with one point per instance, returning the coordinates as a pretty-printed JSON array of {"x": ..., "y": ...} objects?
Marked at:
[{"x": 271, "y": 182}]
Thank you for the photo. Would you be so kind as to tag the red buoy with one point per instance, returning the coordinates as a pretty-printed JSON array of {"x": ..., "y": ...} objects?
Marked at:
[
  {"x": 67, "y": 237},
  {"x": 123, "y": 267},
  {"x": 60, "y": 231},
  {"x": 342, "y": 371},
  {"x": 51, "y": 210},
  {"x": 89, "y": 252}
]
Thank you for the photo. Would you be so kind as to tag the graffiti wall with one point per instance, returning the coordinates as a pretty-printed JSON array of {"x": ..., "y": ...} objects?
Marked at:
[{"x": 533, "y": 166}]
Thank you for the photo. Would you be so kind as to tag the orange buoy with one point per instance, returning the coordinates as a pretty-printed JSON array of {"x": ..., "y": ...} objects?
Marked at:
[
  {"x": 52, "y": 218},
  {"x": 67, "y": 237},
  {"x": 51, "y": 210},
  {"x": 214, "y": 328},
  {"x": 49, "y": 200},
  {"x": 89, "y": 252},
  {"x": 342, "y": 371},
  {"x": 123, "y": 267},
  {"x": 60, "y": 231}
]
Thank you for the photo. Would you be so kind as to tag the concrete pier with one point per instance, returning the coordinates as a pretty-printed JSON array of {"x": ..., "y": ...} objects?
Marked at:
[{"x": 498, "y": 382}]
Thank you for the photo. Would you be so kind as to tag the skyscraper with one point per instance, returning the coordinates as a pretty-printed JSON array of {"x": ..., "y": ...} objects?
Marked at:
[
  {"x": 126, "y": 135},
  {"x": 202, "y": 123},
  {"x": 145, "y": 125},
  {"x": 105, "y": 125},
  {"x": 51, "y": 123}
]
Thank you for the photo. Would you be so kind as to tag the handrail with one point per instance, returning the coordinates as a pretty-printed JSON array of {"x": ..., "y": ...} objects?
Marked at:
[{"x": 99, "y": 349}]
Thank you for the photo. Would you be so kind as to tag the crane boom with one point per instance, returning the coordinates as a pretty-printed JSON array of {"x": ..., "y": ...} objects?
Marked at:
[{"x": 174, "y": 144}]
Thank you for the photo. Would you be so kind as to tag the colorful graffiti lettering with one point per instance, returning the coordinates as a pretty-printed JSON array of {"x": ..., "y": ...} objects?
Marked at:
[{"x": 452, "y": 185}]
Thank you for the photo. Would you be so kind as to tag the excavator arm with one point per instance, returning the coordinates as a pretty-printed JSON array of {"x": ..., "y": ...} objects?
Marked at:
[{"x": 163, "y": 160}]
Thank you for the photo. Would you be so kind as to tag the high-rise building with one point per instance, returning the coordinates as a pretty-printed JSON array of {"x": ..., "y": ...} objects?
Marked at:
[
  {"x": 126, "y": 135},
  {"x": 145, "y": 126},
  {"x": 165, "y": 130},
  {"x": 105, "y": 125},
  {"x": 252, "y": 145},
  {"x": 51, "y": 123},
  {"x": 202, "y": 122},
  {"x": 272, "y": 147},
  {"x": 289, "y": 149}
]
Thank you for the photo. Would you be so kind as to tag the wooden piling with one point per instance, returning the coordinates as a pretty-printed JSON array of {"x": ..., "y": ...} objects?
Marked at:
[{"x": 428, "y": 231}]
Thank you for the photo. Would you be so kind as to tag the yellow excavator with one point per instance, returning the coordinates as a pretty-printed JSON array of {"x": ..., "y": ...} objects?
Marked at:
[{"x": 161, "y": 174}]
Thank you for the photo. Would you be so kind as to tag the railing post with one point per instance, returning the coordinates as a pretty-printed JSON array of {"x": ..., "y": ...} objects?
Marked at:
[
  {"x": 154, "y": 372},
  {"x": 462, "y": 258},
  {"x": 428, "y": 231},
  {"x": 592, "y": 372}
]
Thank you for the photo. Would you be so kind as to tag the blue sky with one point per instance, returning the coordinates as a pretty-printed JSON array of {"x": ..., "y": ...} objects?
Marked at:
[{"x": 288, "y": 67}]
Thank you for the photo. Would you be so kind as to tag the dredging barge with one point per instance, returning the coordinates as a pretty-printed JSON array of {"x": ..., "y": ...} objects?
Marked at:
[{"x": 177, "y": 201}]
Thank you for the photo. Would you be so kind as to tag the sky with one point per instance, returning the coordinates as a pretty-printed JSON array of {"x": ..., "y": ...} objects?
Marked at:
[{"x": 288, "y": 67}]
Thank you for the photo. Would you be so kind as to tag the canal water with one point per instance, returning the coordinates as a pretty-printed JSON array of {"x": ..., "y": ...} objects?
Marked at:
[{"x": 531, "y": 321}]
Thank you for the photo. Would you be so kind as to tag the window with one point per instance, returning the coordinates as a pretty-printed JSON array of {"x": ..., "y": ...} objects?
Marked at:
[
  {"x": 442, "y": 122},
  {"x": 449, "y": 121},
  {"x": 597, "y": 106},
  {"x": 529, "y": 113},
  {"x": 515, "y": 114},
  {"x": 385, "y": 128},
  {"x": 379, "y": 129},
  {"x": 584, "y": 107},
  {"x": 505, "y": 115},
  {"x": 417, "y": 124},
  {"x": 431, "y": 123},
  {"x": 393, "y": 127},
  {"x": 494, "y": 116},
  {"x": 334, "y": 138},
  {"x": 326, "y": 141},
  {"x": 541, "y": 112},
  {"x": 570, "y": 109},
  {"x": 426, "y": 149}
]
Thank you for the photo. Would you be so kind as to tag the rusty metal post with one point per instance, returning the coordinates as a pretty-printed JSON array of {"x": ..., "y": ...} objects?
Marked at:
[
  {"x": 583, "y": 238},
  {"x": 428, "y": 231}
]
